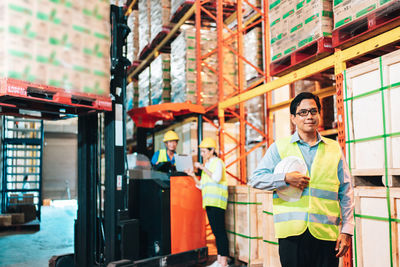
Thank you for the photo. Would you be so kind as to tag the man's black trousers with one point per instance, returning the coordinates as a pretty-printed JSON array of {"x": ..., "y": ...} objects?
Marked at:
[{"x": 307, "y": 251}]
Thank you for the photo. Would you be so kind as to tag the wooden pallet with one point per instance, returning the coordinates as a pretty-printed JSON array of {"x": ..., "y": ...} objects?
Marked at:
[
  {"x": 50, "y": 100},
  {"x": 381, "y": 20},
  {"x": 302, "y": 56},
  {"x": 376, "y": 177}
]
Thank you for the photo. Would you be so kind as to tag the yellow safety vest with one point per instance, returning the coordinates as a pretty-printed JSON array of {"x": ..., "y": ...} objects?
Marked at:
[
  {"x": 318, "y": 208},
  {"x": 214, "y": 194},
  {"x": 162, "y": 156}
]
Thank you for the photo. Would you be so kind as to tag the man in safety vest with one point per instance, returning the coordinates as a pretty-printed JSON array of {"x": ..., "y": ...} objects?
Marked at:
[
  {"x": 164, "y": 159},
  {"x": 308, "y": 227}
]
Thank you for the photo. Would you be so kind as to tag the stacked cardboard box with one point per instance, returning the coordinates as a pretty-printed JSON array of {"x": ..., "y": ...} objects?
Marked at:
[
  {"x": 133, "y": 37},
  {"x": 183, "y": 68},
  {"x": 62, "y": 44},
  {"x": 254, "y": 115},
  {"x": 144, "y": 88},
  {"x": 160, "y": 16},
  {"x": 295, "y": 24},
  {"x": 145, "y": 24},
  {"x": 160, "y": 80},
  {"x": 346, "y": 11}
]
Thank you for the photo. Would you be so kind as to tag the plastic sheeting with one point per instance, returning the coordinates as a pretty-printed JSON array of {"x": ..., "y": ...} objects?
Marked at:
[
  {"x": 144, "y": 87},
  {"x": 133, "y": 37},
  {"x": 160, "y": 15},
  {"x": 183, "y": 68},
  {"x": 160, "y": 80},
  {"x": 145, "y": 24}
]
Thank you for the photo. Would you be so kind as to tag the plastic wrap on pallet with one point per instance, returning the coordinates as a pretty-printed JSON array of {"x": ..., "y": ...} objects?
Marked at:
[
  {"x": 133, "y": 37},
  {"x": 145, "y": 24},
  {"x": 129, "y": 96},
  {"x": 253, "y": 53},
  {"x": 183, "y": 68},
  {"x": 144, "y": 88},
  {"x": 160, "y": 16},
  {"x": 249, "y": 11},
  {"x": 135, "y": 94},
  {"x": 254, "y": 115},
  {"x": 347, "y": 11},
  {"x": 293, "y": 24},
  {"x": 160, "y": 80},
  {"x": 175, "y": 4},
  {"x": 55, "y": 43}
]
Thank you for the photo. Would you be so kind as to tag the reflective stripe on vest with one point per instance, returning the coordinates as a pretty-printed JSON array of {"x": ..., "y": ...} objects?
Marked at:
[
  {"x": 214, "y": 194},
  {"x": 162, "y": 156},
  {"x": 318, "y": 208}
]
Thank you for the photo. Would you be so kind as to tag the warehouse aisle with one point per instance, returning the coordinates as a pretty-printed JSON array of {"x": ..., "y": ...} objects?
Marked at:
[{"x": 34, "y": 249}]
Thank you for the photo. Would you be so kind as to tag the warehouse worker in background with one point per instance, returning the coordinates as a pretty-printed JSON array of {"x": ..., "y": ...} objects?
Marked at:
[
  {"x": 164, "y": 159},
  {"x": 308, "y": 229},
  {"x": 214, "y": 189}
]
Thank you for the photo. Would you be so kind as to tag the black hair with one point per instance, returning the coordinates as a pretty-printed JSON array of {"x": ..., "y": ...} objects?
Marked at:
[
  {"x": 300, "y": 97},
  {"x": 215, "y": 153}
]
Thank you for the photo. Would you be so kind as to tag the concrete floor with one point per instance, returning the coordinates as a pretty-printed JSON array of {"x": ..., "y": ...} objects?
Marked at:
[{"x": 34, "y": 249}]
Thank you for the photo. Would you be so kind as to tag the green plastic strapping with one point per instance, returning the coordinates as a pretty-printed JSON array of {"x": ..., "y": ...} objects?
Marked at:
[
  {"x": 245, "y": 236},
  {"x": 244, "y": 203},
  {"x": 382, "y": 88},
  {"x": 248, "y": 195},
  {"x": 267, "y": 212},
  {"x": 373, "y": 137},
  {"x": 377, "y": 218},
  {"x": 386, "y": 162},
  {"x": 271, "y": 242}
]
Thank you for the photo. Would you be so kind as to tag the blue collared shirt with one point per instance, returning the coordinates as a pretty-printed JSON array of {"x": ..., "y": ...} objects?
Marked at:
[{"x": 264, "y": 178}]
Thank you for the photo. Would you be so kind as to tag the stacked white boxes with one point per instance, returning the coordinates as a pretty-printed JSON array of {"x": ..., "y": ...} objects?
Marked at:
[
  {"x": 57, "y": 43},
  {"x": 294, "y": 24},
  {"x": 160, "y": 80}
]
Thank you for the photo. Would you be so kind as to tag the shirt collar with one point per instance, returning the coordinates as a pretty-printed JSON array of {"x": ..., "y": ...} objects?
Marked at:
[{"x": 296, "y": 138}]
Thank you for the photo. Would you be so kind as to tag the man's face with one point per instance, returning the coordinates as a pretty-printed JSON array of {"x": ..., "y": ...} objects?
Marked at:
[
  {"x": 310, "y": 122},
  {"x": 171, "y": 145}
]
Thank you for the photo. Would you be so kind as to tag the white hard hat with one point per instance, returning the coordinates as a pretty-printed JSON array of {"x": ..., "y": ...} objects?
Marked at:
[{"x": 290, "y": 164}]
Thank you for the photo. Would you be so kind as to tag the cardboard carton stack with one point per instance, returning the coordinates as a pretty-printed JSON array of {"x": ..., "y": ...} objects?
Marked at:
[
  {"x": 160, "y": 16},
  {"x": 144, "y": 88},
  {"x": 346, "y": 11},
  {"x": 57, "y": 43},
  {"x": 133, "y": 37},
  {"x": 160, "y": 80},
  {"x": 145, "y": 24},
  {"x": 183, "y": 68},
  {"x": 294, "y": 24}
]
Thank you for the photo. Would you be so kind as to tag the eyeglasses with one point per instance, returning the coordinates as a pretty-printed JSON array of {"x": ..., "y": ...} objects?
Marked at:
[{"x": 304, "y": 112}]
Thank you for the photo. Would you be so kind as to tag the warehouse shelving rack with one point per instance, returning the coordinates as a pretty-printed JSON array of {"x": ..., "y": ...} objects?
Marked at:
[{"x": 382, "y": 43}]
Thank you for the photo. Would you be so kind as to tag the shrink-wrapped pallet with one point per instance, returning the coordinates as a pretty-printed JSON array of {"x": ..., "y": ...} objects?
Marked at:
[
  {"x": 294, "y": 25},
  {"x": 160, "y": 15},
  {"x": 160, "y": 80},
  {"x": 253, "y": 53},
  {"x": 55, "y": 43},
  {"x": 144, "y": 88},
  {"x": 145, "y": 24},
  {"x": 133, "y": 37},
  {"x": 183, "y": 68}
]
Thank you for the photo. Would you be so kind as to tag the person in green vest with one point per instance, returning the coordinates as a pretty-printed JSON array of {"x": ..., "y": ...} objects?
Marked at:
[
  {"x": 164, "y": 159},
  {"x": 316, "y": 228},
  {"x": 214, "y": 189}
]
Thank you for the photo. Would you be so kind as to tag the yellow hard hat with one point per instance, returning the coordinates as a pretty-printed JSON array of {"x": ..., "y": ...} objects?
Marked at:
[
  {"x": 170, "y": 136},
  {"x": 208, "y": 142}
]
